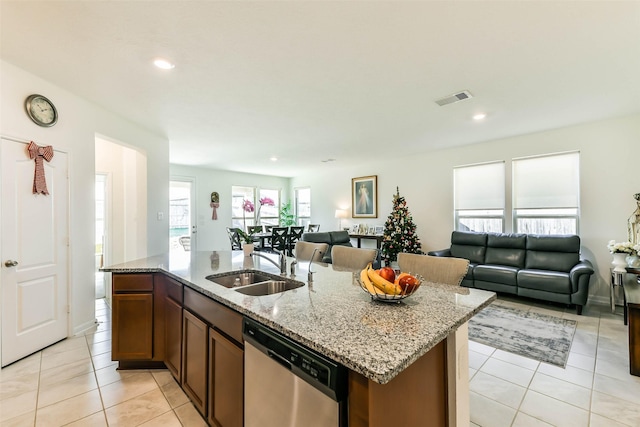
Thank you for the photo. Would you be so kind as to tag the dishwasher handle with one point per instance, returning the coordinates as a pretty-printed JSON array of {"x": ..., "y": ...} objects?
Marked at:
[{"x": 281, "y": 360}]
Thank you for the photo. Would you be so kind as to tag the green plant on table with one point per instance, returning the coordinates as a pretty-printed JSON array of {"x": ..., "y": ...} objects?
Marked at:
[
  {"x": 246, "y": 237},
  {"x": 287, "y": 218}
]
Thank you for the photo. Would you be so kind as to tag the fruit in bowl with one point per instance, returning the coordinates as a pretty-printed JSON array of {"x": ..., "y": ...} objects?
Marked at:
[
  {"x": 408, "y": 283},
  {"x": 387, "y": 273},
  {"x": 375, "y": 283}
]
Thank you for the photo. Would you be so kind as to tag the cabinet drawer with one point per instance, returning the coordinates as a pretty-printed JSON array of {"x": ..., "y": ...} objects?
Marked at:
[
  {"x": 220, "y": 317},
  {"x": 132, "y": 282},
  {"x": 173, "y": 289}
]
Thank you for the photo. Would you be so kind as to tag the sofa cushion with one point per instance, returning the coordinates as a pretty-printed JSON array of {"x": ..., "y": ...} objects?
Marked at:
[
  {"x": 506, "y": 249},
  {"x": 545, "y": 280},
  {"x": 319, "y": 237},
  {"x": 471, "y": 246},
  {"x": 557, "y": 253},
  {"x": 340, "y": 238},
  {"x": 496, "y": 273}
]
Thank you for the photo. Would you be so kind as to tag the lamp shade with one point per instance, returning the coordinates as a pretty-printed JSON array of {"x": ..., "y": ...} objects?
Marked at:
[{"x": 341, "y": 213}]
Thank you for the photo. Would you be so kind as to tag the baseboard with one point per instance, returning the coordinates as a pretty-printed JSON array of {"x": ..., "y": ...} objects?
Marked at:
[{"x": 81, "y": 329}]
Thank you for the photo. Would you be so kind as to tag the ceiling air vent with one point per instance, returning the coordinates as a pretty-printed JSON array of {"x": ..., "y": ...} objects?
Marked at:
[{"x": 456, "y": 97}]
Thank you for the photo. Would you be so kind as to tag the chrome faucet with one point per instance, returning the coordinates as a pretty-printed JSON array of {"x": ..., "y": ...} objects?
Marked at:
[
  {"x": 283, "y": 260},
  {"x": 313, "y": 255}
]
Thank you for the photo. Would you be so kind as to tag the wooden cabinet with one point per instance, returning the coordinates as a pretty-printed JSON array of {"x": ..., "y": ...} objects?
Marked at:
[
  {"x": 173, "y": 328},
  {"x": 132, "y": 334},
  {"x": 157, "y": 321},
  {"x": 226, "y": 379},
  {"x": 224, "y": 371},
  {"x": 195, "y": 355}
]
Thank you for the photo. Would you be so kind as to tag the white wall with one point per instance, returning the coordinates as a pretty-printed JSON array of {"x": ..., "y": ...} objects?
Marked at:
[
  {"x": 609, "y": 178},
  {"x": 79, "y": 122},
  {"x": 212, "y": 235}
]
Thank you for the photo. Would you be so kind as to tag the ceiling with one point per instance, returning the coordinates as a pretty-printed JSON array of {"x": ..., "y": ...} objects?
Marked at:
[{"x": 353, "y": 81}]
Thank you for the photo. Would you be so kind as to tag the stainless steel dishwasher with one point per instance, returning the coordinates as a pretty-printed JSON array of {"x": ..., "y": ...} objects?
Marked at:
[{"x": 286, "y": 384}]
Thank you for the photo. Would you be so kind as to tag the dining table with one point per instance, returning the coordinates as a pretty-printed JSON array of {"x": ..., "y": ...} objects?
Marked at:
[{"x": 262, "y": 239}]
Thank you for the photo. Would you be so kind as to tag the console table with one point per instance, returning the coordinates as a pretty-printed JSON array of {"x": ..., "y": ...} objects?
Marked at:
[
  {"x": 377, "y": 237},
  {"x": 632, "y": 310}
]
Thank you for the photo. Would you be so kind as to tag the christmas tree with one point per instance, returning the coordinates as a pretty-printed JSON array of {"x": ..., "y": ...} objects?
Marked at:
[{"x": 399, "y": 232}]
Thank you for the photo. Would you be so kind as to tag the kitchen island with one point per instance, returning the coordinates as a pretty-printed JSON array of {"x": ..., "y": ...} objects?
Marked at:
[{"x": 388, "y": 348}]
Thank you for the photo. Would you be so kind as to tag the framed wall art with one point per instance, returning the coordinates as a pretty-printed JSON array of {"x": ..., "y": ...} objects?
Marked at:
[{"x": 364, "y": 197}]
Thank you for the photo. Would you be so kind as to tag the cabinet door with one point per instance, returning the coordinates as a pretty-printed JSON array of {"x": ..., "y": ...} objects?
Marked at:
[
  {"x": 132, "y": 327},
  {"x": 173, "y": 338},
  {"x": 226, "y": 381},
  {"x": 194, "y": 360}
]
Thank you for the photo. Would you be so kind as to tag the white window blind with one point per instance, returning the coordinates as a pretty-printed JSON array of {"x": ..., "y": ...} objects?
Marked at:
[
  {"x": 479, "y": 186},
  {"x": 547, "y": 182}
]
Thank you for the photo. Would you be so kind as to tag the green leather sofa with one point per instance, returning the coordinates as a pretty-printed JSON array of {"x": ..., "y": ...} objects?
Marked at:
[{"x": 545, "y": 267}]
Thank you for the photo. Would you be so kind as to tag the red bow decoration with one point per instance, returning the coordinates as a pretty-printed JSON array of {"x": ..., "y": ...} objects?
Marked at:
[
  {"x": 215, "y": 206},
  {"x": 38, "y": 153}
]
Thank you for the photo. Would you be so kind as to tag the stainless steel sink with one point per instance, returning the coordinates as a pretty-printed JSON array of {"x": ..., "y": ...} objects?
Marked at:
[
  {"x": 269, "y": 287},
  {"x": 235, "y": 279},
  {"x": 254, "y": 283}
]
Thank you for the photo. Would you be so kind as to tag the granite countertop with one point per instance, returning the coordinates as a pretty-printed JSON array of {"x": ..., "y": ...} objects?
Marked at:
[{"x": 332, "y": 314}]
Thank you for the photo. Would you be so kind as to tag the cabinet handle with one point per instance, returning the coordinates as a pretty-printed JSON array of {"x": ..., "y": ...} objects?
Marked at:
[{"x": 10, "y": 263}]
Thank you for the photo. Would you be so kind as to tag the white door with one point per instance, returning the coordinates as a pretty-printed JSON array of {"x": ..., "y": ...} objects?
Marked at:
[{"x": 34, "y": 249}]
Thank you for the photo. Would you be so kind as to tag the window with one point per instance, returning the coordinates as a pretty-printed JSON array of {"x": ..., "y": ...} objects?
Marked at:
[
  {"x": 239, "y": 217},
  {"x": 269, "y": 215},
  {"x": 479, "y": 197},
  {"x": 303, "y": 205},
  {"x": 261, "y": 214},
  {"x": 546, "y": 194}
]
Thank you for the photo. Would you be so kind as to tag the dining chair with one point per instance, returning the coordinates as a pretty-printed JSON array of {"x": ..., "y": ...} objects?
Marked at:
[
  {"x": 447, "y": 270},
  {"x": 313, "y": 228},
  {"x": 295, "y": 234},
  {"x": 305, "y": 250},
  {"x": 234, "y": 238},
  {"x": 351, "y": 259},
  {"x": 268, "y": 228},
  {"x": 279, "y": 238}
]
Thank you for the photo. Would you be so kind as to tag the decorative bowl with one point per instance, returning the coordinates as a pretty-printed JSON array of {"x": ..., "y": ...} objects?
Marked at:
[{"x": 379, "y": 296}]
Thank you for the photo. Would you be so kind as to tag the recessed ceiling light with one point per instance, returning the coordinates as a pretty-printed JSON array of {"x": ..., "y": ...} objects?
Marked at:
[
  {"x": 479, "y": 116},
  {"x": 163, "y": 63},
  {"x": 273, "y": 158}
]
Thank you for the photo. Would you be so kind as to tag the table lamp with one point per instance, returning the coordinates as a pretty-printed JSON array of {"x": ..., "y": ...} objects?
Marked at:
[{"x": 340, "y": 213}]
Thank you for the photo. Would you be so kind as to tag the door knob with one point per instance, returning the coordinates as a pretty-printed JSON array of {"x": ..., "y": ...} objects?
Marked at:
[{"x": 11, "y": 263}]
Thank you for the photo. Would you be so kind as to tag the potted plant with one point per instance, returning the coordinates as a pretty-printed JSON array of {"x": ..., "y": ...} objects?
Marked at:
[
  {"x": 247, "y": 242},
  {"x": 287, "y": 218}
]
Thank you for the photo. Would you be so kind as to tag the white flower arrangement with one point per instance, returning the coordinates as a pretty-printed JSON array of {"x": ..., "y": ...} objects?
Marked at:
[{"x": 622, "y": 247}]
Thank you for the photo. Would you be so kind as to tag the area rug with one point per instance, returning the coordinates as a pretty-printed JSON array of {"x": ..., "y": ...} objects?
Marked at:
[{"x": 533, "y": 335}]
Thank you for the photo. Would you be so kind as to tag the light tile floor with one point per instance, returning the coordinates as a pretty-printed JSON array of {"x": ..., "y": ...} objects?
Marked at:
[
  {"x": 595, "y": 389},
  {"x": 75, "y": 383}
]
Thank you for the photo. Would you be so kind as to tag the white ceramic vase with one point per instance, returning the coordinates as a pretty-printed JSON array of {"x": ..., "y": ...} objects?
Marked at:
[
  {"x": 619, "y": 261},
  {"x": 248, "y": 248}
]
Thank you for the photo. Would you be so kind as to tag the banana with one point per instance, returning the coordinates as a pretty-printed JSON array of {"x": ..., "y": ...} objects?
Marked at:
[
  {"x": 384, "y": 285},
  {"x": 364, "y": 278}
]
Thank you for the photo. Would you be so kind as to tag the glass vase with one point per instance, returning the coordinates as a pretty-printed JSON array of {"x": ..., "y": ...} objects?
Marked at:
[{"x": 633, "y": 261}]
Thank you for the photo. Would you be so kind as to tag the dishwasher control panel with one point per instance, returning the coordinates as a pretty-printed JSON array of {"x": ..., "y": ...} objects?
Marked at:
[{"x": 324, "y": 374}]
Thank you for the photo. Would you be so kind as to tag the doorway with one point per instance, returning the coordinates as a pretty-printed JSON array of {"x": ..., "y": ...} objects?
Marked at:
[
  {"x": 182, "y": 225},
  {"x": 101, "y": 232}
]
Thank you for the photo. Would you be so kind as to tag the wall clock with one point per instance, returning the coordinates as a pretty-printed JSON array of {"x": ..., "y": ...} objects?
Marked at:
[{"x": 41, "y": 110}]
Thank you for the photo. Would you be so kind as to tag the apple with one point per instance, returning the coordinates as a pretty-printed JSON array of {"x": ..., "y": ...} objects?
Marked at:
[
  {"x": 387, "y": 273},
  {"x": 408, "y": 284}
]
